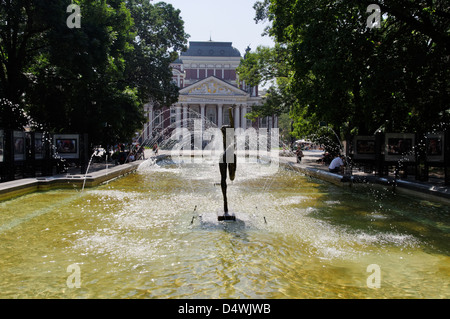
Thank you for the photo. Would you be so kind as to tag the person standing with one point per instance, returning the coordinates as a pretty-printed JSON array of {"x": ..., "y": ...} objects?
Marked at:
[{"x": 299, "y": 154}]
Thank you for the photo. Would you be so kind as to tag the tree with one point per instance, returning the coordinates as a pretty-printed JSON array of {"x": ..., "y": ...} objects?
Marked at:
[
  {"x": 11, "y": 116},
  {"x": 160, "y": 35},
  {"x": 267, "y": 65},
  {"x": 94, "y": 79},
  {"x": 79, "y": 70},
  {"x": 263, "y": 65},
  {"x": 23, "y": 25},
  {"x": 431, "y": 18},
  {"x": 359, "y": 79}
]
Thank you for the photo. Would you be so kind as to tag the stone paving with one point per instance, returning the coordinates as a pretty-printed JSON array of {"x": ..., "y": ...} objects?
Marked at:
[{"x": 434, "y": 187}]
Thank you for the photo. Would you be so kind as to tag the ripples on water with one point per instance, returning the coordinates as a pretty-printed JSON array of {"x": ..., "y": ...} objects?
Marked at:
[{"x": 155, "y": 234}]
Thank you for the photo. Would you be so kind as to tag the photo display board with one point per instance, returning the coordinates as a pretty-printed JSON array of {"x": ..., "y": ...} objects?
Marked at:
[
  {"x": 39, "y": 149},
  {"x": 364, "y": 147},
  {"x": 67, "y": 145},
  {"x": 2, "y": 138},
  {"x": 399, "y": 147},
  {"x": 435, "y": 147},
  {"x": 19, "y": 145}
]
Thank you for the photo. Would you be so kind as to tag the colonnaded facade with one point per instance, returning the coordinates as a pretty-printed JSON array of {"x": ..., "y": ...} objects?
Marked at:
[{"x": 209, "y": 86}]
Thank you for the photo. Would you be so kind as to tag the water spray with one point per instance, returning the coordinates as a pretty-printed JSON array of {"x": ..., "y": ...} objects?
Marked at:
[{"x": 193, "y": 217}]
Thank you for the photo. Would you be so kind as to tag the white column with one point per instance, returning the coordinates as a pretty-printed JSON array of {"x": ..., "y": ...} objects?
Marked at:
[
  {"x": 236, "y": 116},
  {"x": 178, "y": 115},
  {"x": 185, "y": 115},
  {"x": 243, "y": 119},
  {"x": 219, "y": 115},
  {"x": 202, "y": 112}
]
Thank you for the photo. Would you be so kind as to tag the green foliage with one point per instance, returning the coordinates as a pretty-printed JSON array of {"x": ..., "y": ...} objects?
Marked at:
[
  {"x": 263, "y": 65},
  {"x": 268, "y": 65},
  {"x": 94, "y": 79},
  {"x": 11, "y": 116},
  {"x": 357, "y": 79},
  {"x": 159, "y": 36},
  {"x": 23, "y": 26}
]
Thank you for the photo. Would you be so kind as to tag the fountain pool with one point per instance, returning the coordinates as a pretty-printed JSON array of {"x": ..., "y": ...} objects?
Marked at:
[{"x": 155, "y": 234}]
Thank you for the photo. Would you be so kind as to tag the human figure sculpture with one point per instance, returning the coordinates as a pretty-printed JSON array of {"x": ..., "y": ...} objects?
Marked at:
[{"x": 228, "y": 146}]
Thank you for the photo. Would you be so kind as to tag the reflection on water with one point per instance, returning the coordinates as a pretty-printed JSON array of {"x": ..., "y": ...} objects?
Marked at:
[{"x": 155, "y": 234}]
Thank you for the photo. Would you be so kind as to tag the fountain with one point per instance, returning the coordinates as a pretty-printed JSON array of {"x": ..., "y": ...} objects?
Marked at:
[
  {"x": 184, "y": 142},
  {"x": 341, "y": 147},
  {"x": 155, "y": 233}
]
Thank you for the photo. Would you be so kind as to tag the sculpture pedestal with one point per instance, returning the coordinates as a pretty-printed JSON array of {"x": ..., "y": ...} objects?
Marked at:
[{"x": 226, "y": 217}]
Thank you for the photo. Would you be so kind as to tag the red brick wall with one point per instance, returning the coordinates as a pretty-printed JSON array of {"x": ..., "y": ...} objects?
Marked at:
[
  {"x": 230, "y": 75},
  {"x": 191, "y": 74}
]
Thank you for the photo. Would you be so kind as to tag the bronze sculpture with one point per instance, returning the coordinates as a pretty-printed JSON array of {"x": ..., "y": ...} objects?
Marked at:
[{"x": 230, "y": 156}]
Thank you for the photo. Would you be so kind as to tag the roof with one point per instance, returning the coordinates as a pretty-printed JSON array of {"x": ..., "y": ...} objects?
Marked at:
[{"x": 211, "y": 48}]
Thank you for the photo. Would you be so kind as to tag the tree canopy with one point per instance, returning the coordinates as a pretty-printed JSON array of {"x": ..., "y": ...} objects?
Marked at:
[
  {"x": 355, "y": 78},
  {"x": 93, "y": 79}
]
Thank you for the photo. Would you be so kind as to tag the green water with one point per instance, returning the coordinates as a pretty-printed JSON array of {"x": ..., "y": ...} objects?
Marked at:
[{"x": 294, "y": 237}]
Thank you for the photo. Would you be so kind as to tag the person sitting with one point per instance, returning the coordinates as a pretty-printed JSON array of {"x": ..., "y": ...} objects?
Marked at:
[{"x": 336, "y": 164}]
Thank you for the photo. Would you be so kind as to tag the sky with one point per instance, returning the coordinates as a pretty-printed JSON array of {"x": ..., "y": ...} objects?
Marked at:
[{"x": 222, "y": 20}]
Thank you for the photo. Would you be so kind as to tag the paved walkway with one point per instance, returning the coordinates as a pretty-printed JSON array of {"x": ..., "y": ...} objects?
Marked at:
[
  {"x": 435, "y": 186},
  {"x": 98, "y": 173},
  {"x": 311, "y": 158}
]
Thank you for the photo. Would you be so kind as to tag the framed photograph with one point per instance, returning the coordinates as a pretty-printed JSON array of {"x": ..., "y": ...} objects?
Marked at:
[
  {"x": 19, "y": 145},
  {"x": 39, "y": 150},
  {"x": 364, "y": 147},
  {"x": 435, "y": 147},
  {"x": 2, "y": 137},
  {"x": 67, "y": 145},
  {"x": 399, "y": 146}
]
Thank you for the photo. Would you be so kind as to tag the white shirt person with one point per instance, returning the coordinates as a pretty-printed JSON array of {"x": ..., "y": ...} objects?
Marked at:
[{"x": 336, "y": 164}]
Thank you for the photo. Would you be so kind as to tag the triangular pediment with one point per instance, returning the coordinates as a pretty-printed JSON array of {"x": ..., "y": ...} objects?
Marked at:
[{"x": 212, "y": 86}]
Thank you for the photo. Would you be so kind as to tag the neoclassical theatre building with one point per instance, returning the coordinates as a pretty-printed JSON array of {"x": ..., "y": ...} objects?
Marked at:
[{"x": 206, "y": 76}]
